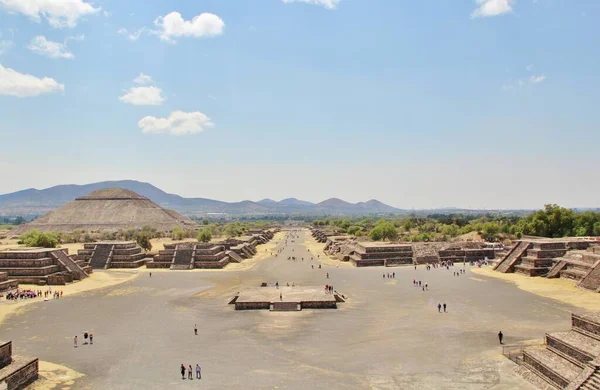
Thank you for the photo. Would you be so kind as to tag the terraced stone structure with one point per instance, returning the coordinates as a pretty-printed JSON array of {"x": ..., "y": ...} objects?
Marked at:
[
  {"x": 16, "y": 372},
  {"x": 321, "y": 235},
  {"x": 6, "y": 283},
  {"x": 42, "y": 266},
  {"x": 367, "y": 254},
  {"x": 570, "y": 360},
  {"x": 578, "y": 260},
  {"x": 459, "y": 255},
  {"x": 190, "y": 255},
  {"x": 112, "y": 254}
]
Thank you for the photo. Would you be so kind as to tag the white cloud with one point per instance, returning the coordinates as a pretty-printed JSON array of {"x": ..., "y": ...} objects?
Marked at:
[
  {"x": 59, "y": 13},
  {"x": 512, "y": 84},
  {"x": 178, "y": 123},
  {"x": 134, "y": 35},
  {"x": 173, "y": 26},
  {"x": 42, "y": 46},
  {"x": 330, "y": 4},
  {"x": 487, "y": 8},
  {"x": 17, "y": 84},
  {"x": 143, "y": 79},
  {"x": 143, "y": 96},
  {"x": 537, "y": 79},
  {"x": 529, "y": 68}
]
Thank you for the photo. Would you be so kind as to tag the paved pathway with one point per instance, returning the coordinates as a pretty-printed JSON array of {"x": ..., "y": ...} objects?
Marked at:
[{"x": 388, "y": 335}]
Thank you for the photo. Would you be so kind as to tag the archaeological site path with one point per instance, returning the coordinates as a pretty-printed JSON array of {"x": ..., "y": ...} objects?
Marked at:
[{"x": 388, "y": 334}]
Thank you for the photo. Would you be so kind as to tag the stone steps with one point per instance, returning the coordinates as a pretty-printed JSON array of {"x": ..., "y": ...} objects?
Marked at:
[
  {"x": 593, "y": 382},
  {"x": 577, "y": 345},
  {"x": 513, "y": 256},
  {"x": 101, "y": 255},
  {"x": 574, "y": 274},
  {"x": 553, "y": 367}
]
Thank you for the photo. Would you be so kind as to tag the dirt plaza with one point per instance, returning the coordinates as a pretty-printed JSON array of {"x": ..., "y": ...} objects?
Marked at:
[{"x": 388, "y": 334}]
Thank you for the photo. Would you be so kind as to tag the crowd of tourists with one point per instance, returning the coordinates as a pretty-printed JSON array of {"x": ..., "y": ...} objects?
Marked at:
[{"x": 32, "y": 294}]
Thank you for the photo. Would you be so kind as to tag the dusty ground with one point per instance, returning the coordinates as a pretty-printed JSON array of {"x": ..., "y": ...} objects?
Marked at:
[
  {"x": 95, "y": 281},
  {"x": 562, "y": 290},
  {"x": 388, "y": 335}
]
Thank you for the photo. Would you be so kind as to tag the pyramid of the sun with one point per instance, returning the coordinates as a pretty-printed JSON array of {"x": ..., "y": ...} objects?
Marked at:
[{"x": 110, "y": 209}]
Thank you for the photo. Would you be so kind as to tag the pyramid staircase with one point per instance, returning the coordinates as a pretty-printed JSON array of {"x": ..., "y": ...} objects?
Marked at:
[
  {"x": 101, "y": 256},
  {"x": 66, "y": 261},
  {"x": 569, "y": 359},
  {"x": 184, "y": 257},
  {"x": 508, "y": 262}
]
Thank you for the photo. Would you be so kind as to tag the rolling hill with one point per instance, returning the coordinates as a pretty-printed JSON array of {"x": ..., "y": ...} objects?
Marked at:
[{"x": 33, "y": 202}]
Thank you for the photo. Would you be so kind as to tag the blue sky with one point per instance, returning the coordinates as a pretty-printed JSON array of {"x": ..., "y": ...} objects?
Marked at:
[{"x": 429, "y": 103}]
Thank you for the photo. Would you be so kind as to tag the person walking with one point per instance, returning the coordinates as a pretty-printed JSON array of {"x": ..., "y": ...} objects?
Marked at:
[
  {"x": 91, "y": 338},
  {"x": 280, "y": 297},
  {"x": 444, "y": 307},
  {"x": 198, "y": 372},
  {"x": 195, "y": 330},
  {"x": 500, "y": 336},
  {"x": 439, "y": 307},
  {"x": 75, "y": 341},
  {"x": 327, "y": 275},
  {"x": 190, "y": 376},
  {"x": 182, "y": 369},
  {"x": 150, "y": 274}
]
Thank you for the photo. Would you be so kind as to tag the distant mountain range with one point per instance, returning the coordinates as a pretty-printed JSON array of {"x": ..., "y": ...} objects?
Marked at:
[{"x": 36, "y": 202}]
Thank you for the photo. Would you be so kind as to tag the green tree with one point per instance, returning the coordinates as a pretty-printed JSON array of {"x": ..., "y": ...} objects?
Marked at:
[
  {"x": 490, "y": 230},
  {"x": 143, "y": 240},
  {"x": 204, "y": 235},
  {"x": 178, "y": 233},
  {"x": 383, "y": 231},
  {"x": 35, "y": 238},
  {"x": 353, "y": 229}
]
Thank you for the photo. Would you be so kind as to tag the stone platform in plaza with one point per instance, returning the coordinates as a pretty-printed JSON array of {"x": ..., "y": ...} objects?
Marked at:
[{"x": 293, "y": 299}]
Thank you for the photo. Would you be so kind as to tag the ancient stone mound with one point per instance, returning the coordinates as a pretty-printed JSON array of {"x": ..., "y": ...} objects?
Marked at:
[
  {"x": 110, "y": 209},
  {"x": 16, "y": 372}
]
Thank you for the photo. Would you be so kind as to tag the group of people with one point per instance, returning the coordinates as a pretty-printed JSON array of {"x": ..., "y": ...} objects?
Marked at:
[
  {"x": 329, "y": 289},
  {"x": 85, "y": 337},
  {"x": 460, "y": 271},
  {"x": 390, "y": 275},
  {"x": 30, "y": 294},
  {"x": 190, "y": 372},
  {"x": 418, "y": 283}
]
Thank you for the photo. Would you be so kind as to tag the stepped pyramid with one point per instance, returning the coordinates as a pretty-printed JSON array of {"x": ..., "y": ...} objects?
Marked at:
[
  {"x": 109, "y": 209},
  {"x": 571, "y": 359}
]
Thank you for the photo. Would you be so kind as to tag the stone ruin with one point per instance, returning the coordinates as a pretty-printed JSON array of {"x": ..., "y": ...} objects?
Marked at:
[
  {"x": 361, "y": 254},
  {"x": 576, "y": 259},
  {"x": 6, "y": 283},
  {"x": 569, "y": 360},
  {"x": 112, "y": 254},
  {"x": 321, "y": 235},
  {"x": 190, "y": 255},
  {"x": 42, "y": 266},
  {"x": 16, "y": 372},
  {"x": 367, "y": 254}
]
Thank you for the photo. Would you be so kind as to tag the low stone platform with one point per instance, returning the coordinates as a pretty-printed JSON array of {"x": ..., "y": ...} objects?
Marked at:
[
  {"x": 293, "y": 299},
  {"x": 16, "y": 372}
]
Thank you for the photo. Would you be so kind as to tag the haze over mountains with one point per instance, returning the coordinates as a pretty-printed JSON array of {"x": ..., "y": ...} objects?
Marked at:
[{"x": 35, "y": 202}]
